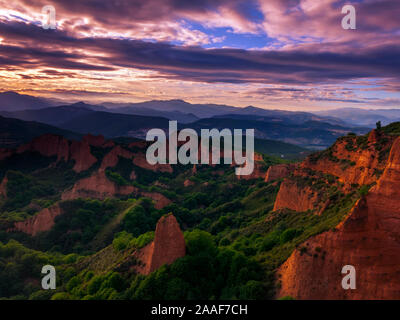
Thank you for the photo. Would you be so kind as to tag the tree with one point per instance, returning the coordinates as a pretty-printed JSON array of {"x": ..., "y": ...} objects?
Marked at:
[
  {"x": 198, "y": 241},
  {"x": 138, "y": 221}
]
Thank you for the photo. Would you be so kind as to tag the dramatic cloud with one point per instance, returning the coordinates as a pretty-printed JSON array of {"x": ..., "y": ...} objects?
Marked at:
[
  {"x": 57, "y": 49},
  {"x": 161, "y": 49},
  {"x": 294, "y": 22}
]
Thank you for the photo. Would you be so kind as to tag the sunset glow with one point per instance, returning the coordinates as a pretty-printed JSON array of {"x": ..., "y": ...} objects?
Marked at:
[{"x": 273, "y": 54}]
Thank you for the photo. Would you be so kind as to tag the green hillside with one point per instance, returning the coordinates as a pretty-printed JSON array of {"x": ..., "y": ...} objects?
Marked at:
[
  {"x": 280, "y": 149},
  {"x": 14, "y": 132}
]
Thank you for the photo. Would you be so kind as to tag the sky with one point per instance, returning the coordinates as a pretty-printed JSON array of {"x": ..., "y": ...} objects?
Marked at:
[{"x": 278, "y": 54}]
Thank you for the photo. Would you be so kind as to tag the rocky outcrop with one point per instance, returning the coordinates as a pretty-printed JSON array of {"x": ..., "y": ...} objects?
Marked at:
[
  {"x": 258, "y": 171},
  {"x": 144, "y": 257},
  {"x": 3, "y": 188},
  {"x": 97, "y": 186},
  {"x": 111, "y": 158},
  {"x": 140, "y": 160},
  {"x": 160, "y": 201},
  {"x": 368, "y": 239},
  {"x": 347, "y": 163},
  {"x": 42, "y": 221},
  {"x": 100, "y": 187},
  {"x": 295, "y": 197},
  {"x": 353, "y": 166},
  {"x": 48, "y": 145},
  {"x": 139, "y": 144},
  {"x": 188, "y": 183},
  {"x": 278, "y": 171},
  {"x": 168, "y": 245},
  {"x": 80, "y": 152},
  {"x": 96, "y": 141}
]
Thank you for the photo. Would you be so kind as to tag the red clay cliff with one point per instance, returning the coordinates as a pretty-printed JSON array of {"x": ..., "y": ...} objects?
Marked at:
[
  {"x": 42, "y": 221},
  {"x": 168, "y": 245},
  {"x": 350, "y": 168},
  {"x": 368, "y": 239}
]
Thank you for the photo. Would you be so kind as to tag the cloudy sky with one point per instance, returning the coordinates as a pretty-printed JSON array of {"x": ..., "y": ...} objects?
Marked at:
[{"x": 286, "y": 54}]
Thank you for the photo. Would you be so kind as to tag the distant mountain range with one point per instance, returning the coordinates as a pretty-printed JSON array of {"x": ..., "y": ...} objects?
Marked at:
[
  {"x": 179, "y": 116},
  {"x": 82, "y": 119},
  {"x": 310, "y": 134},
  {"x": 198, "y": 110},
  {"x": 179, "y": 110},
  {"x": 135, "y": 119},
  {"x": 12, "y": 101},
  {"x": 363, "y": 117},
  {"x": 55, "y": 116},
  {"x": 185, "y": 112}
]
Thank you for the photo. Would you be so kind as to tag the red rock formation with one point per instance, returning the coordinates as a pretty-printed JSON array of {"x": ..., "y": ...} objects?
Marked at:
[
  {"x": 369, "y": 239},
  {"x": 97, "y": 186},
  {"x": 365, "y": 161},
  {"x": 168, "y": 245},
  {"x": 144, "y": 256},
  {"x": 3, "y": 188},
  {"x": 296, "y": 198},
  {"x": 351, "y": 167},
  {"x": 111, "y": 158},
  {"x": 139, "y": 144},
  {"x": 140, "y": 160},
  {"x": 48, "y": 145},
  {"x": 42, "y": 221},
  {"x": 160, "y": 201},
  {"x": 188, "y": 183},
  {"x": 100, "y": 187},
  {"x": 258, "y": 157},
  {"x": 96, "y": 141},
  {"x": 258, "y": 171},
  {"x": 278, "y": 171},
  {"x": 80, "y": 152}
]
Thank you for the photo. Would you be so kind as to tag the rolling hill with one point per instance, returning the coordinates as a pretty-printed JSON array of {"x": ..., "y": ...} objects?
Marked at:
[
  {"x": 55, "y": 116},
  {"x": 14, "y": 132},
  {"x": 114, "y": 124},
  {"x": 312, "y": 134}
]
